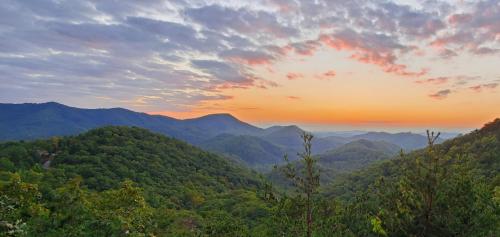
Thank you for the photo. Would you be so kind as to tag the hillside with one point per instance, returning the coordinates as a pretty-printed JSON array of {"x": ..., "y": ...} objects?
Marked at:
[
  {"x": 345, "y": 159},
  {"x": 177, "y": 181},
  {"x": 481, "y": 148},
  {"x": 354, "y": 156},
  {"x": 251, "y": 150},
  {"x": 116, "y": 181},
  {"x": 106, "y": 156}
]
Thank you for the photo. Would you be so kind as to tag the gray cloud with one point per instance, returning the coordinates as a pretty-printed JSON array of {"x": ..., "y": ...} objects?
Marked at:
[
  {"x": 442, "y": 94},
  {"x": 216, "y": 17},
  {"x": 174, "y": 54}
]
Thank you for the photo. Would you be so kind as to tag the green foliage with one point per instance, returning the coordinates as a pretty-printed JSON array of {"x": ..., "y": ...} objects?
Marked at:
[
  {"x": 118, "y": 181},
  {"x": 307, "y": 182}
]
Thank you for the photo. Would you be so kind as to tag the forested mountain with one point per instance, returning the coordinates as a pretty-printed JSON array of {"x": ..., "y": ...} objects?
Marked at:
[
  {"x": 289, "y": 138},
  {"x": 34, "y": 121},
  {"x": 480, "y": 148},
  {"x": 254, "y": 146},
  {"x": 117, "y": 181},
  {"x": 250, "y": 150},
  {"x": 354, "y": 156},
  {"x": 448, "y": 189},
  {"x": 346, "y": 158},
  {"x": 182, "y": 183}
]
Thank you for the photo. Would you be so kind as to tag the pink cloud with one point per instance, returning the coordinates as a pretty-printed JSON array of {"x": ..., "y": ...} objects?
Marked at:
[
  {"x": 293, "y": 97},
  {"x": 459, "y": 18},
  {"x": 326, "y": 75},
  {"x": 380, "y": 51},
  {"x": 294, "y": 76},
  {"x": 330, "y": 73}
]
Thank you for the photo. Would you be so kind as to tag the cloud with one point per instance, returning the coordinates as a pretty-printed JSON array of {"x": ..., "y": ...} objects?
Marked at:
[
  {"x": 474, "y": 30},
  {"x": 247, "y": 57},
  {"x": 219, "y": 70},
  {"x": 330, "y": 73},
  {"x": 326, "y": 75},
  {"x": 219, "y": 18},
  {"x": 294, "y": 76},
  {"x": 435, "y": 80},
  {"x": 177, "y": 54},
  {"x": 371, "y": 48},
  {"x": 293, "y": 97},
  {"x": 306, "y": 48},
  {"x": 479, "y": 88},
  {"x": 442, "y": 94}
]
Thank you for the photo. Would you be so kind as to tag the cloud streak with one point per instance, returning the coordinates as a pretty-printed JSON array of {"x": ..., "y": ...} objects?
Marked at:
[{"x": 442, "y": 94}]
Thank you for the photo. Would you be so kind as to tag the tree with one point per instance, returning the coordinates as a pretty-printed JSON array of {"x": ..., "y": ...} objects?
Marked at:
[
  {"x": 19, "y": 204},
  {"x": 308, "y": 181},
  {"x": 437, "y": 194}
]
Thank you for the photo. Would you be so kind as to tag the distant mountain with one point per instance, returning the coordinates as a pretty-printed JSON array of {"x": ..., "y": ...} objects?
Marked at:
[
  {"x": 339, "y": 133},
  {"x": 355, "y": 155},
  {"x": 446, "y": 135},
  {"x": 346, "y": 158},
  {"x": 408, "y": 141},
  {"x": 251, "y": 150},
  {"x": 34, "y": 121},
  {"x": 221, "y": 133},
  {"x": 215, "y": 124},
  {"x": 289, "y": 138}
]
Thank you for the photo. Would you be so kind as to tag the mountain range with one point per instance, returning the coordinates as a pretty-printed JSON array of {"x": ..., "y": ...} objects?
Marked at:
[
  {"x": 116, "y": 180},
  {"x": 220, "y": 133}
]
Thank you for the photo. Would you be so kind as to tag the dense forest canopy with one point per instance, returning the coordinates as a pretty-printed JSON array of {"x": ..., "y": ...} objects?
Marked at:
[{"x": 117, "y": 181}]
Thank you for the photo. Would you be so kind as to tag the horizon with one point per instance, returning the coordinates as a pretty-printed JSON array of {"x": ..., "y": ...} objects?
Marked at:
[
  {"x": 314, "y": 128},
  {"x": 395, "y": 65}
]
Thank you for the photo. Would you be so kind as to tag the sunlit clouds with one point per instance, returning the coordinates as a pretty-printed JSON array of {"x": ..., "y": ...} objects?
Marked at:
[{"x": 319, "y": 62}]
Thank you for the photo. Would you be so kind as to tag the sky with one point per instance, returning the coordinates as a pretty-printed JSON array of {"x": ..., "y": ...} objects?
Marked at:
[{"x": 369, "y": 64}]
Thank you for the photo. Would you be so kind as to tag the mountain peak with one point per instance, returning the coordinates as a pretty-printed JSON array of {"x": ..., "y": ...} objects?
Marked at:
[{"x": 218, "y": 115}]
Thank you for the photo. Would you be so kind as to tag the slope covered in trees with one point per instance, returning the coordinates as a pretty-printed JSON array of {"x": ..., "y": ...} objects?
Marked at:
[
  {"x": 354, "y": 156},
  {"x": 118, "y": 181},
  {"x": 450, "y": 189},
  {"x": 250, "y": 150},
  {"x": 113, "y": 175},
  {"x": 345, "y": 159},
  {"x": 481, "y": 148}
]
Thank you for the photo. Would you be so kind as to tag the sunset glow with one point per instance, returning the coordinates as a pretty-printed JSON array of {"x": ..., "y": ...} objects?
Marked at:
[{"x": 366, "y": 64}]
